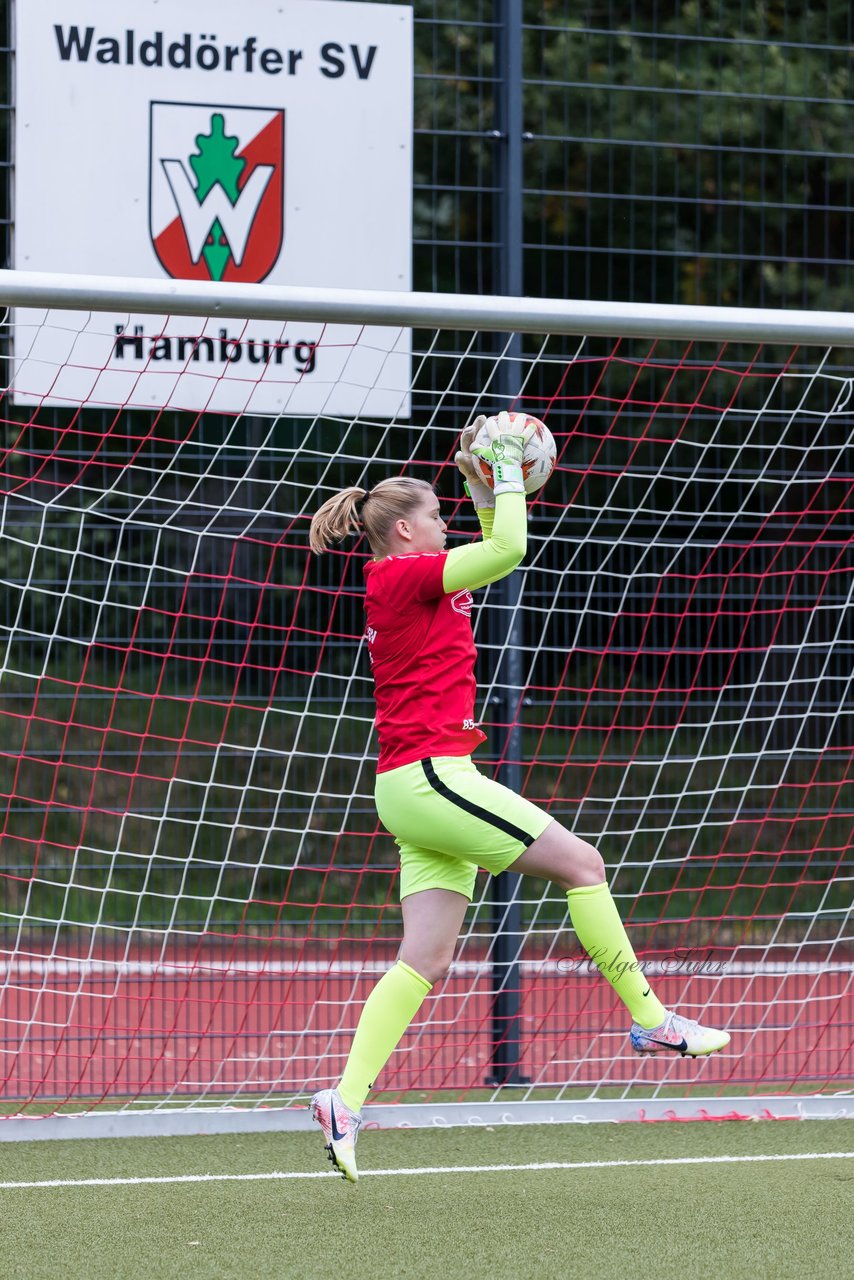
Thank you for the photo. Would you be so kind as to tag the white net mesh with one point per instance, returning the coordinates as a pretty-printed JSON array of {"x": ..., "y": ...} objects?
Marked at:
[{"x": 196, "y": 891}]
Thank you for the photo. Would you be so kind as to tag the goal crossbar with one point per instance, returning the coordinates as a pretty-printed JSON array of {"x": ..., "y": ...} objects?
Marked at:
[{"x": 461, "y": 311}]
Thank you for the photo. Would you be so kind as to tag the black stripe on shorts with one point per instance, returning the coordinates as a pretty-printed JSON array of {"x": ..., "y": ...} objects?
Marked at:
[{"x": 475, "y": 809}]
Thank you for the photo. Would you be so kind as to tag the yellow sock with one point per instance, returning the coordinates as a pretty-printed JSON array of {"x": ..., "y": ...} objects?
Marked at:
[
  {"x": 387, "y": 1013},
  {"x": 600, "y": 931}
]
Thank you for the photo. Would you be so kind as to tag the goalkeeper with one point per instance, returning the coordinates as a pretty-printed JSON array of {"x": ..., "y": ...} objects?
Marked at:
[{"x": 447, "y": 818}]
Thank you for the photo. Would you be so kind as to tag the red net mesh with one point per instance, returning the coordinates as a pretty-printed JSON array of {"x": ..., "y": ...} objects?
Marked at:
[{"x": 196, "y": 893}]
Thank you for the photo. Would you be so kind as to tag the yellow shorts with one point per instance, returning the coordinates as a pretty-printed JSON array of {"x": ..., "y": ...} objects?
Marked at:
[{"x": 448, "y": 819}]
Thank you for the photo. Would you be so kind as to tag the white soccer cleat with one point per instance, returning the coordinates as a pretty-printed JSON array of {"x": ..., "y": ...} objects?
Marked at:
[
  {"x": 679, "y": 1035},
  {"x": 340, "y": 1128}
]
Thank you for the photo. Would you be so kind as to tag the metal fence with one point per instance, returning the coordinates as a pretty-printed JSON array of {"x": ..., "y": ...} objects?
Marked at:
[
  {"x": 699, "y": 152},
  {"x": 690, "y": 153}
]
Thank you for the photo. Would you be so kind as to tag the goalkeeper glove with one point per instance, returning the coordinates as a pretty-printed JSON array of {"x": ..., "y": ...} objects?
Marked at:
[
  {"x": 505, "y": 453},
  {"x": 475, "y": 486}
]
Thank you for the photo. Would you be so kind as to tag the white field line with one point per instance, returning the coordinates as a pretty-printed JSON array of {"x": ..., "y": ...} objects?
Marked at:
[{"x": 401, "y": 1173}]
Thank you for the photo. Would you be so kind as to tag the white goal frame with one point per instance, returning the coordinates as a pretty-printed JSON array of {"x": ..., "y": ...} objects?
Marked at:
[
  {"x": 430, "y": 310},
  {"x": 421, "y": 310}
]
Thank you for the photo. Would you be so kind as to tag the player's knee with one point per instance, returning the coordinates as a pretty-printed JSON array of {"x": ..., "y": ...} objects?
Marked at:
[
  {"x": 561, "y": 857},
  {"x": 436, "y": 971},
  {"x": 583, "y": 867},
  {"x": 590, "y": 867},
  {"x": 432, "y": 965},
  {"x": 439, "y": 972}
]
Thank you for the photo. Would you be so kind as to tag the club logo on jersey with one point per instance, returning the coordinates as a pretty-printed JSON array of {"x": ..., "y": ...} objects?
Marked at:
[
  {"x": 462, "y": 603},
  {"x": 216, "y": 190}
]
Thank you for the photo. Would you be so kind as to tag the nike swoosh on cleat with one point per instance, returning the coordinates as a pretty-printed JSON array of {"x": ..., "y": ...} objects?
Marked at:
[
  {"x": 646, "y": 993},
  {"x": 336, "y": 1132},
  {"x": 665, "y": 1044}
]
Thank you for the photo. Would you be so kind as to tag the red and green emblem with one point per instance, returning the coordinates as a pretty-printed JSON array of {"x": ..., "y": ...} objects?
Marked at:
[{"x": 216, "y": 190}]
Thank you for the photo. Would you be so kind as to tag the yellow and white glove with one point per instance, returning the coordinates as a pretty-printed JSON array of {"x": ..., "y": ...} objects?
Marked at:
[
  {"x": 476, "y": 487},
  {"x": 505, "y": 452}
]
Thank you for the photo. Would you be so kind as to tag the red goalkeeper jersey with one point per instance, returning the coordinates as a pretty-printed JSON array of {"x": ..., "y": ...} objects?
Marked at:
[{"x": 422, "y": 654}]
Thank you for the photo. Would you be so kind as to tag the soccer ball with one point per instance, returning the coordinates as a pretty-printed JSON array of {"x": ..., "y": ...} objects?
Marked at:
[{"x": 540, "y": 453}]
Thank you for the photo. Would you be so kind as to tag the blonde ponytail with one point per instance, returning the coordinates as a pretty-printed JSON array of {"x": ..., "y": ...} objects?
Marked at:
[
  {"x": 335, "y": 519},
  {"x": 388, "y": 501}
]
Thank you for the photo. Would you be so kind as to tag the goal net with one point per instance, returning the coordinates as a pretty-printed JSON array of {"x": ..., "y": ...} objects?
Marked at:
[{"x": 196, "y": 895}]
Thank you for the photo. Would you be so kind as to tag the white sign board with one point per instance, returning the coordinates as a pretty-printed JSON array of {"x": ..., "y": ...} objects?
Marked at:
[{"x": 253, "y": 142}]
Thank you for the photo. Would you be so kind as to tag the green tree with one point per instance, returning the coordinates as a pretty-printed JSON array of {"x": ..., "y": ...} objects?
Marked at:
[{"x": 698, "y": 154}]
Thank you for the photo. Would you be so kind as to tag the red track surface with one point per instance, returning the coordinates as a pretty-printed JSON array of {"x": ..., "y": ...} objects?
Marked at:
[{"x": 203, "y": 1027}]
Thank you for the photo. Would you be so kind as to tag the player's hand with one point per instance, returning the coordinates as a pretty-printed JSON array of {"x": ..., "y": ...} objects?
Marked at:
[
  {"x": 476, "y": 487},
  {"x": 505, "y": 452}
]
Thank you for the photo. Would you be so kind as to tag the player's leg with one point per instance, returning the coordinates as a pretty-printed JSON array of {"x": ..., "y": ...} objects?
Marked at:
[
  {"x": 473, "y": 817},
  {"x": 577, "y": 867},
  {"x": 432, "y": 919},
  {"x": 561, "y": 857}
]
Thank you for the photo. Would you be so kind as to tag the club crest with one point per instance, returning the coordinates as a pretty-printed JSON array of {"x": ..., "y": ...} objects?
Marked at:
[{"x": 216, "y": 190}]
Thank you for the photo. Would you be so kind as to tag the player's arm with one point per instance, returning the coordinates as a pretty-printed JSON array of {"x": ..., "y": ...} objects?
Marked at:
[{"x": 502, "y": 510}]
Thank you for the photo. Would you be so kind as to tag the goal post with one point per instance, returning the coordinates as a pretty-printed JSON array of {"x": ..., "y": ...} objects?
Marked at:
[{"x": 196, "y": 894}]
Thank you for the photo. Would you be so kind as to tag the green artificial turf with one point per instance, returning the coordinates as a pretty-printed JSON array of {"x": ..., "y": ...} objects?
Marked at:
[{"x": 765, "y": 1219}]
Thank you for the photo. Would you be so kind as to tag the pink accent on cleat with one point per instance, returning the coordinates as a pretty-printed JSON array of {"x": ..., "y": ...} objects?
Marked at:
[
  {"x": 678, "y": 1035},
  {"x": 340, "y": 1128}
]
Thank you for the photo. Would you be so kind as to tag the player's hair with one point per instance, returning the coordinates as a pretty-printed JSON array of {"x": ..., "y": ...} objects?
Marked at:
[{"x": 373, "y": 510}]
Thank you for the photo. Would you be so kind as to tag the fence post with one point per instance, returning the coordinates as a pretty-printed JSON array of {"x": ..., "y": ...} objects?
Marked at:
[{"x": 506, "y": 913}]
